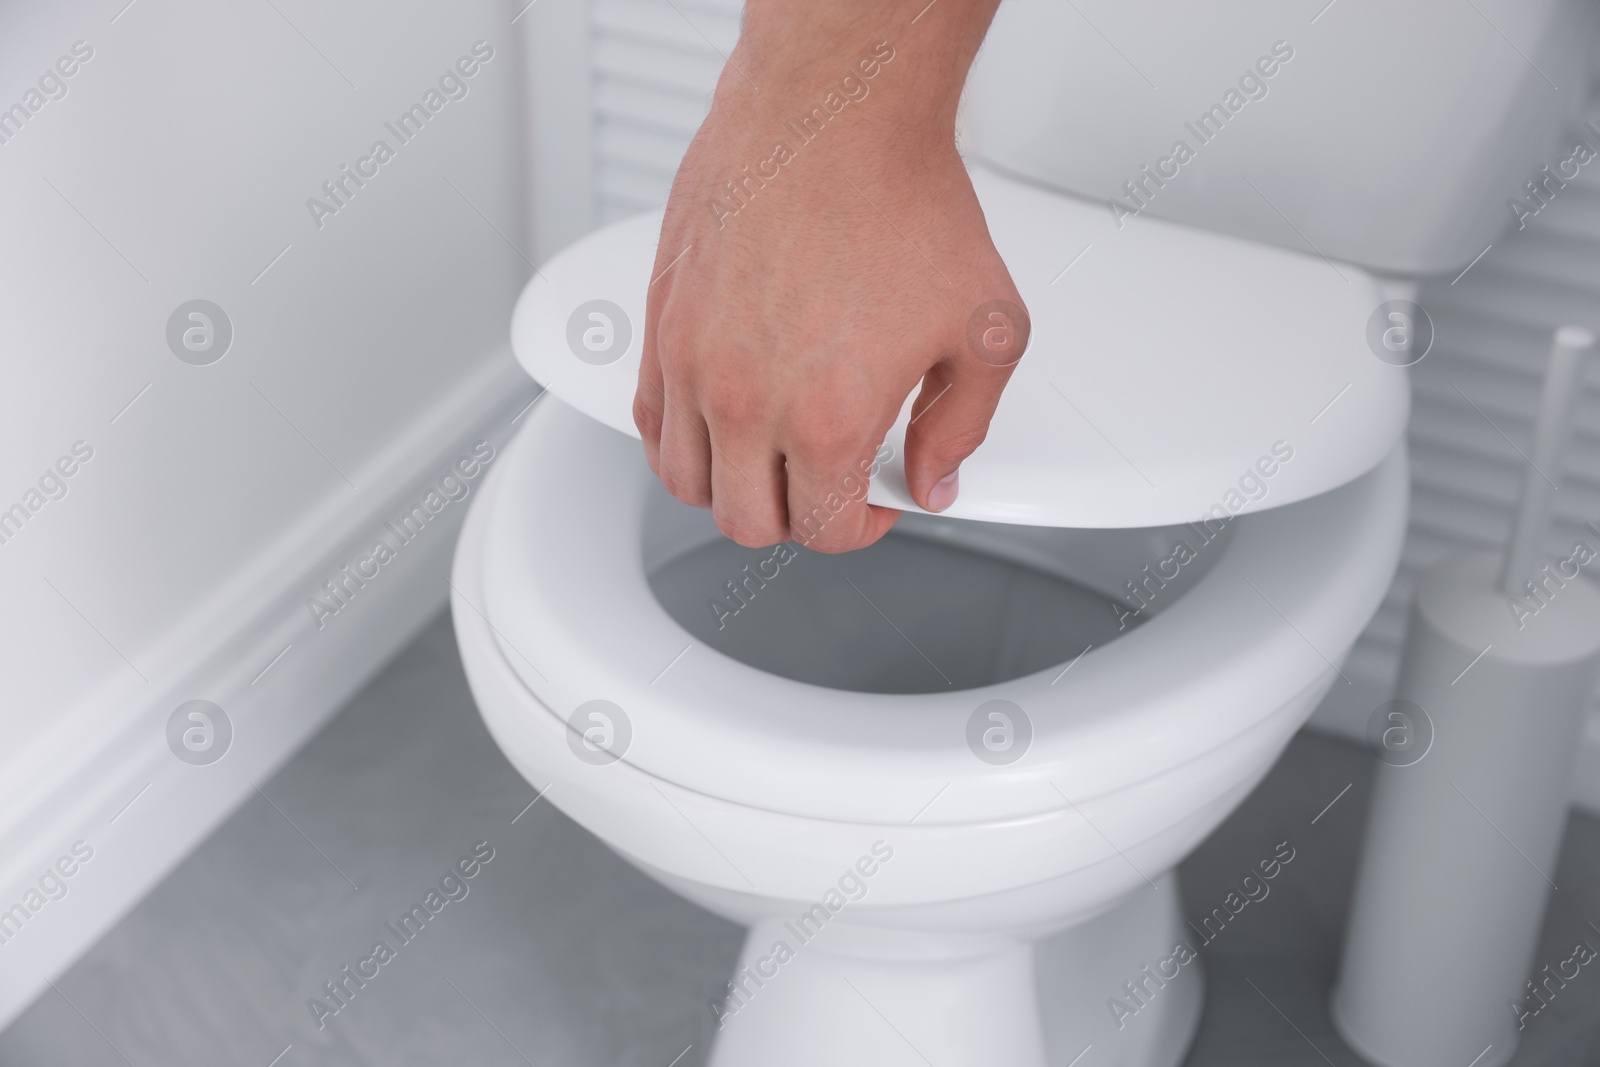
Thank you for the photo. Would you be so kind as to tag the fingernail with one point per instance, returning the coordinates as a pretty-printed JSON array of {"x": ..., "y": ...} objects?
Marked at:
[{"x": 943, "y": 493}]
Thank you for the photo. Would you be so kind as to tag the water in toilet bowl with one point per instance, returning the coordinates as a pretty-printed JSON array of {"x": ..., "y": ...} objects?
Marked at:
[{"x": 924, "y": 610}]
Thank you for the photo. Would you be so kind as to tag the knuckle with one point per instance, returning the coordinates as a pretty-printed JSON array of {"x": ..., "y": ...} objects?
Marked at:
[
  {"x": 690, "y": 491},
  {"x": 676, "y": 340},
  {"x": 955, "y": 446},
  {"x": 831, "y": 442},
  {"x": 835, "y": 539},
  {"x": 647, "y": 415},
  {"x": 749, "y": 531},
  {"x": 728, "y": 401},
  {"x": 829, "y": 522}
]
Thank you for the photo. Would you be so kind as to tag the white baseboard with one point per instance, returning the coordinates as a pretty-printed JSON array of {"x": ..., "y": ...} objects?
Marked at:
[{"x": 141, "y": 810}]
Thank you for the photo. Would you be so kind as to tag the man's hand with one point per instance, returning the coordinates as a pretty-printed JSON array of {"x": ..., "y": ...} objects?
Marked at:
[{"x": 822, "y": 252}]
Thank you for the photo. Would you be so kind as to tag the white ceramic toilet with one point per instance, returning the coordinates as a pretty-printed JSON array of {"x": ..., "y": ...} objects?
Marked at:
[
  {"x": 945, "y": 780},
  {"x": 955, "y": 738}
]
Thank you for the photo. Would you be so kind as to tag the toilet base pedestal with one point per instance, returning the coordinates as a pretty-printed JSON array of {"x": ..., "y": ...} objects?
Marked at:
[
  {"x": 875, "y": 997},
  {"x": 852, "y": 998}
]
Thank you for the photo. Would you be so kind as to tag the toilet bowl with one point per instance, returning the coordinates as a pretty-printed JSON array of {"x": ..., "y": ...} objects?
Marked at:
[{"x": 952, "y": 829}]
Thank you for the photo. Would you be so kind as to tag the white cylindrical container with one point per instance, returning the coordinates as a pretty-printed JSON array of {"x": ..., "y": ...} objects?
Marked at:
[{"x": 1467, "y": 813}]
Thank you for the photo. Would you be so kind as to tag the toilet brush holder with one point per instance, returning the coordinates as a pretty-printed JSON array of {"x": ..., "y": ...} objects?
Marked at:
[{"x": 1501, "y": 660}]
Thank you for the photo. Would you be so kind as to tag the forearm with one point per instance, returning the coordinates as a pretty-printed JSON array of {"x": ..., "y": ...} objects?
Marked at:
[{"x": 793, "y": 53}]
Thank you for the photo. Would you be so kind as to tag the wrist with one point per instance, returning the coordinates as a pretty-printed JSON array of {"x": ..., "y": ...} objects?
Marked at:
[{"x": 876, "y": 70}]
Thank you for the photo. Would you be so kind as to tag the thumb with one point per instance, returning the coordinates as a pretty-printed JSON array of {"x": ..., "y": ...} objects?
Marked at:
[{"x": 950, "y": 417}]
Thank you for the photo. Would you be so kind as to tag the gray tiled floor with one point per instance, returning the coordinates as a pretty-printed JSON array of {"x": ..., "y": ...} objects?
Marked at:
[{"x": 561, "y": 954}]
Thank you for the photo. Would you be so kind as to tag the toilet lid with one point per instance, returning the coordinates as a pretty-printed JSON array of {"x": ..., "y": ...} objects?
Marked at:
[{"x": 1171, "y": 372}]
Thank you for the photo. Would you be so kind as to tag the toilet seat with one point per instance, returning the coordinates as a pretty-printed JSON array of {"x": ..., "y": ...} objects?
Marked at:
[
  {"x": 1162, "y": 361},
  {"x": 575, "y": 620}
]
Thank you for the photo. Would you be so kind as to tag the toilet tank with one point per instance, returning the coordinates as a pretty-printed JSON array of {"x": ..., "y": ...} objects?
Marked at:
[{"x": 1391, "y": 135}]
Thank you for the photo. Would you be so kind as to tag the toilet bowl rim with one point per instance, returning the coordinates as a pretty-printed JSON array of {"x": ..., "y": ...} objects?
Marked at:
[
  {"x": 609, "y": 811},
  {"x": 699, "y": 770},
  {"x": 618, "y": 794},
  {"x": 474, "y": 627}
]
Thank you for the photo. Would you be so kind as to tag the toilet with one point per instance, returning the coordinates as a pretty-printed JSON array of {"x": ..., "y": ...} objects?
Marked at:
[{"x": 945, "y": 780}]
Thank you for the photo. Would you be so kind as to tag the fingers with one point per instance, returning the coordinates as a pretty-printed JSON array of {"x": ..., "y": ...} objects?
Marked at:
[
  {"x": 685, "y": 463},
  {"x": 951, "y": 415},
  {"x": 650, "y": 396},
  {"x": 649, "y": 404},
  {"x": 828, "y": 509},
  {"x": 748, "y": 495},
  {"x": 758, "y": 499}
]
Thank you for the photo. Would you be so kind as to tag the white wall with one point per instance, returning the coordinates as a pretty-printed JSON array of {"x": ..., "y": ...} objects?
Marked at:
[{"x": 368, "y": 354}]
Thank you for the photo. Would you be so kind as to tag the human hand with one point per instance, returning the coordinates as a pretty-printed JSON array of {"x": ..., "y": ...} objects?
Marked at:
[{"x": 800, "y": 292}]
